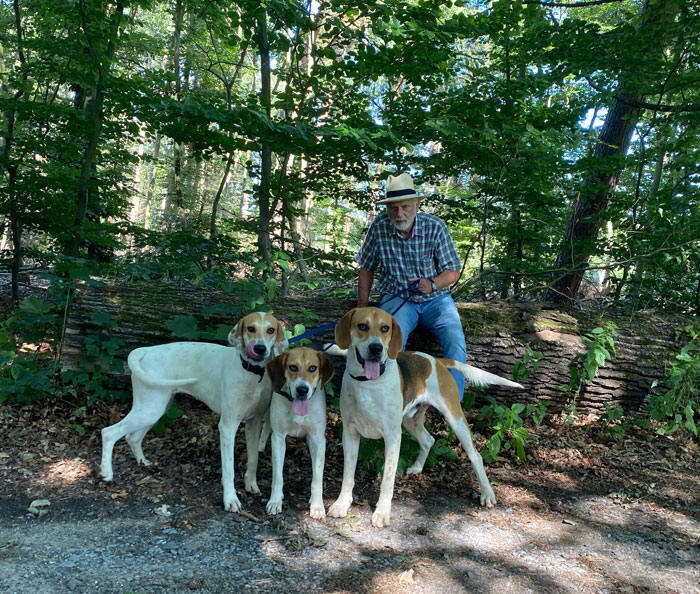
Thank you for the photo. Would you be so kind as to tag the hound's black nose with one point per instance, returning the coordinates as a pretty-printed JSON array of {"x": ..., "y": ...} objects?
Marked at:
[
  {"x": 302, "y": 390},
  {"x": 375, "y": 349},
  {"x": 260, "y": 349}
]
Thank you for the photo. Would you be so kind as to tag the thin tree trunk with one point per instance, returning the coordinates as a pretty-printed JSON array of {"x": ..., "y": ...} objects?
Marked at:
[
  {"x": 264, "y": 242},
  {"x": 94, "y": 120}
]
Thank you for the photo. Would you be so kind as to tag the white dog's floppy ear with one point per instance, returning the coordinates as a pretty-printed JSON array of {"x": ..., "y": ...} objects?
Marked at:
[
  {"x": 396, "y": 342},
  {"x": 281, "y": 342},
  {"x": 235, "y": 337},
  {"x": 275, "y": 370},
  {"x": 342, "y": 330}
]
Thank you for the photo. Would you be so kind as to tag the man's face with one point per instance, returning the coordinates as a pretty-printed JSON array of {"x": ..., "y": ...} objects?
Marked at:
[{"x": 402, "y": 213}]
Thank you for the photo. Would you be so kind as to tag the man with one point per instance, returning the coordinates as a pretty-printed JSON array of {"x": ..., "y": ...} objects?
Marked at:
[{"x": 413, "y": 246}]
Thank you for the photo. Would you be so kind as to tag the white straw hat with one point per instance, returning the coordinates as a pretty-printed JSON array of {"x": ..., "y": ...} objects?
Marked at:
[{"x": 399, "y": 188}]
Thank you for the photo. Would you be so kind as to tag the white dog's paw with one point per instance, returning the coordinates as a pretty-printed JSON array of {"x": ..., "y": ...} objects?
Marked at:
[
  {"x": 232, "y": 504},
  {"x": 106, "y": 475},
  {"x": 488, "y": 497},
  {"x": 252, "y": 486},
  {"x": 415, "y": 468},
  {"x": 381, "y": 518},
  {"x": 339, "y": 509},
  {"x": 317, "y": 511},
  {"x": 274, "y": 506}
]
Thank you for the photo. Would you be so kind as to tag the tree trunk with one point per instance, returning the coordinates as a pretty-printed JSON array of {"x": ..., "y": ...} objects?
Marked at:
[
  {"x": 94, "y": 119},
  {"x": 264, "y": 242},
  {"x": 580, "y": 238}
]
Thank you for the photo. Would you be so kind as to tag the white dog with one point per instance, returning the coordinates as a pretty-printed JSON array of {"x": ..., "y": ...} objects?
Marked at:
[
  {"x": 230, "y": 381},
  {"x": 299, "y": 411},
  {"x": 383, "y": 387}
]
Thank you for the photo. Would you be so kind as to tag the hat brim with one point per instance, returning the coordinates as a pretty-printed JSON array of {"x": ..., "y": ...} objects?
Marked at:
[{"x": 399, "y": 198}]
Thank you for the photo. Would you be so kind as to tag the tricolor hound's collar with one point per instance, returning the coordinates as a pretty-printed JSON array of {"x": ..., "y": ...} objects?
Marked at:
[{"x": 256, "y": 369}]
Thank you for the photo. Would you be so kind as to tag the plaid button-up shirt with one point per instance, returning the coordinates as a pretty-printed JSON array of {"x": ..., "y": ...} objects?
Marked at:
[{"x": 425, "y": 254}]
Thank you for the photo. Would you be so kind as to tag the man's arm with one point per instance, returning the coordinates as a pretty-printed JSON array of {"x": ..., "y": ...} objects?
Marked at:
[
  {"x": 442, "y": 280},
  {"x": 364, "y": 285}
]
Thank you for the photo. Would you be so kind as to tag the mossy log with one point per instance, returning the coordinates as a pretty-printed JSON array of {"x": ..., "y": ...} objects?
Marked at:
[{"x": 497, "y": 334}]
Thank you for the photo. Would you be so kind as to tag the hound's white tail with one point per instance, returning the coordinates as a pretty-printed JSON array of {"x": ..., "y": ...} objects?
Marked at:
[
  {"x": 134, "y": 362},
  {"x": 477, "y": 376}
]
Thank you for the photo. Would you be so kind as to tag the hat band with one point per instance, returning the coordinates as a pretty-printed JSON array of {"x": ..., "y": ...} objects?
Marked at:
[{"x": 393, "y": 193}]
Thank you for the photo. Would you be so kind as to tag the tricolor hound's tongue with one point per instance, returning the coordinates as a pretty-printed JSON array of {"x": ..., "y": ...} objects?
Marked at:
[
  {"x": 300, "y": 407},
  {"x": 250, "y": 352},
  {"x": 372, "y": 369}
]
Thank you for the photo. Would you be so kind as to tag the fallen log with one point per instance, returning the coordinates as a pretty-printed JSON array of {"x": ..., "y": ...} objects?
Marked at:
[{"x": 498, "y": 335}]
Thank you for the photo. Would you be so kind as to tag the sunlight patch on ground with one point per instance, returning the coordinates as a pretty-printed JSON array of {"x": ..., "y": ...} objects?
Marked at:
[{"x": 64, "y": 472}]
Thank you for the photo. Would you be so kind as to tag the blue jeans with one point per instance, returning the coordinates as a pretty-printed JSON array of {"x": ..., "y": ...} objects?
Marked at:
[{"x": 438, "y": 315}]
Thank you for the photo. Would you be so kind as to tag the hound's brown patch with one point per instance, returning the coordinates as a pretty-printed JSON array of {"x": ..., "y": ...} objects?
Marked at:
[
  {"x": 414, "y": 371},
  {"x": 448, "y": 388}
]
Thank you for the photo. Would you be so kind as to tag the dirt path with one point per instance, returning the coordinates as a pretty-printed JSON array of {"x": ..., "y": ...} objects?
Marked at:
[{"x": 579, "y": 516}]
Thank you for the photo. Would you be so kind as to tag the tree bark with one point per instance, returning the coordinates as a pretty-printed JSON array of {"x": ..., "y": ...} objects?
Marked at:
[
  {"x": 264, "y": 242},
  {"x": 581, "y": 234},
  {"x": 94, "y": 119}
]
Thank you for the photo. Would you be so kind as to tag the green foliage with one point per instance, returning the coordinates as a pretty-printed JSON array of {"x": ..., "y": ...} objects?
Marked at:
[
  {"x": 90, "y": 381},
  {"x": 26, "y": 362},
  {"x": 674, "y": 403},
  {"x": 583, "y": 368},
  {"x": 506, "y": 427},
  {"x": 371, "y": 454},
  {"x": 528, "y": 365}
]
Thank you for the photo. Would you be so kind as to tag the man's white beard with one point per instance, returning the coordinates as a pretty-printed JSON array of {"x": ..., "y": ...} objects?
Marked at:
[{"x": 402, "y": 224}]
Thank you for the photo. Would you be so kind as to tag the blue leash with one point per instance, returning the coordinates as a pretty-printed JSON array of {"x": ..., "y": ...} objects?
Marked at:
[{"x": 411, "y": 290}]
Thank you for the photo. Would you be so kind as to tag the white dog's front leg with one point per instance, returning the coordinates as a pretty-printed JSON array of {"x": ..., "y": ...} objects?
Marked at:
[
  {"x": 382, "y": 513},
  {"x": 351, "y": 445},
  {"x": 317, "y": 450},
  {"x": 279, "y": 446},
  {"x": 252, "y": 439},
  {"x": 227, "y": 438}
]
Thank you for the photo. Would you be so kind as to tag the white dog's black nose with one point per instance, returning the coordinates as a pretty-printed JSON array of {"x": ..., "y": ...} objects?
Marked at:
[
  {"x": 260, "y": 349},
  {"x": 302, "y": 391}
]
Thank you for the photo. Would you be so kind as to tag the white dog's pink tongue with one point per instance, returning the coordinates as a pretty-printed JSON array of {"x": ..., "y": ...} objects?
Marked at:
[
  {"x": 300, "y": 407},
  {"x": 249, "y": 350},
  {"x": 371, "y": 370}
]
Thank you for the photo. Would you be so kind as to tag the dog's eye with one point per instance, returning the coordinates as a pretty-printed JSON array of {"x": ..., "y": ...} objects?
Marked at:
[
  {"x": 312, "y": 368},
  {"x": 293, "y": 368},
  {"x": 384, "y": 329},
  {"x": 363, "y": 327},
  {"x": 270, "y": 330},
  {"x": 251, "y": 329}
]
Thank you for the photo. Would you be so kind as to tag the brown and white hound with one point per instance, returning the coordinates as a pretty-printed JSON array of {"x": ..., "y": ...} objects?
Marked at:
[
  {"x": 382, "y": 388},
  {"x": 230, "y": 381},
  {"x": 298, "y": 408}
]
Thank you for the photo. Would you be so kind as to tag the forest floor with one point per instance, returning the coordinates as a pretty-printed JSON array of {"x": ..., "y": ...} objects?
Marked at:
[{"x": 582, "y": 514}]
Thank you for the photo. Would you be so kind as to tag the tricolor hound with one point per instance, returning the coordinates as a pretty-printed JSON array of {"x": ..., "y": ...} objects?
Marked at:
[
  {"x": 298, "y": 408},
  {"x": 383, "y": 387},
  {"x": 230, "y": 381}
]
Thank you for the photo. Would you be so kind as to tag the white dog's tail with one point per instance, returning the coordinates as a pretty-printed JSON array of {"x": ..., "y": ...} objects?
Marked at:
[
  {"x": 477, "y": 376},
  {"x": 134, "y": 362}
]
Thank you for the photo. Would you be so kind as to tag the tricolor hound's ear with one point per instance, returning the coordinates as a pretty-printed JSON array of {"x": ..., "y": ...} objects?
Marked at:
[
  {"x": 326, "y": 369},
  {"x": 396, "y": 342},
  {"x": 281, "y": 342},
  {"x": 235, "y": 337},
  {"x": 342, "y": 330},
  {"x": 275, "y": 369}
]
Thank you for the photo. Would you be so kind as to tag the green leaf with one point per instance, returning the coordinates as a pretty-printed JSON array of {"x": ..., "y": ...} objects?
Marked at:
[{"x": 184, "y": 327}]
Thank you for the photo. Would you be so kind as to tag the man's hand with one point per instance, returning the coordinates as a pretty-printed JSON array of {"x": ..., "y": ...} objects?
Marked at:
[{"x": 424, "y": 285}]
